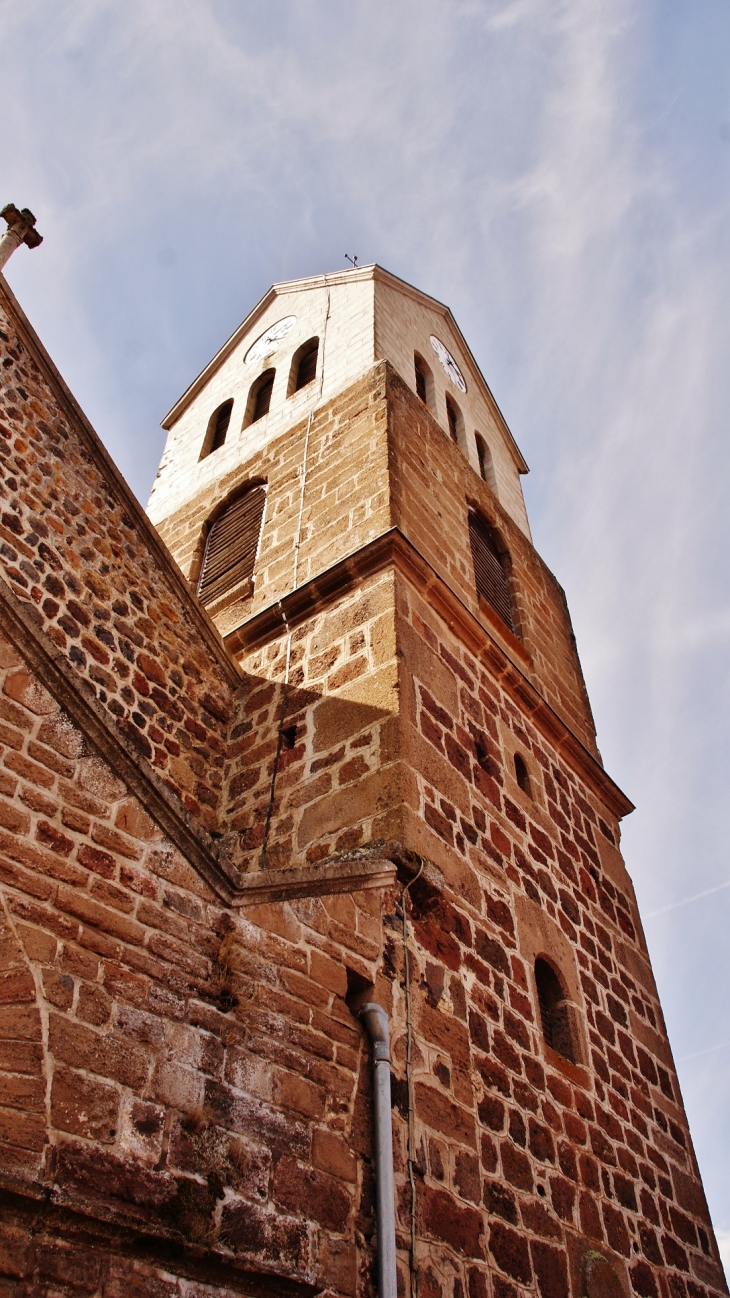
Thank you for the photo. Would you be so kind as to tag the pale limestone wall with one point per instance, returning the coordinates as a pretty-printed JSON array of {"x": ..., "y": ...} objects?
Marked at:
[
  {"x": 404, "y": 322},
  {"x": 359, "y": 316},
  {"x": 345, "y": 305}
]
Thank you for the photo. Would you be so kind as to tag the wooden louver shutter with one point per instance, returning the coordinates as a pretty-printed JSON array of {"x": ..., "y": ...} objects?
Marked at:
[
  {"x": 307, "y": 367},
  {"x": 491, "y": 581},
  {"x": 230, "y": 551},
  {"x": 222, "y": 420},
  {"x": 263, "y": 397}
]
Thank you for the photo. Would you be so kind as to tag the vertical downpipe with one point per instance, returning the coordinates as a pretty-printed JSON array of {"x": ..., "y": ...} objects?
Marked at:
[{"x": 375, "y": 1021}]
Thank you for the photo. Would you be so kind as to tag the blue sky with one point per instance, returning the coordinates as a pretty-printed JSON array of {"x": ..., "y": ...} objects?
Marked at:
[{"x": 559, "y": 173}]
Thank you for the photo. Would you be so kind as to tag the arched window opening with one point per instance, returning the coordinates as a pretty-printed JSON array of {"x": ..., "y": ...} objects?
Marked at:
[
  {"x": 554, "y": 1013},
  {"x": 217, "y": 429},
  {"x": 260, "y": 396},
  {"x": 522, "y": 775},
  {"x": 486, "y": 465},
  {"x": 304, "y": 365},
  {"x": 489, "y": 573},
  {"x": 452, "y": 414},
  {"x": 230, "y": 549}
]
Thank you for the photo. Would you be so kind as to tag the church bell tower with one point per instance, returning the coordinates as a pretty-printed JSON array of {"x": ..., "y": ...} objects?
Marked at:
[{"x": 342, "y": 492}]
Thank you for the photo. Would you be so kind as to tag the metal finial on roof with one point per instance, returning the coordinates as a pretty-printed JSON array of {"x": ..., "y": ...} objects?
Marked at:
[{"x": 352, "y": 259}]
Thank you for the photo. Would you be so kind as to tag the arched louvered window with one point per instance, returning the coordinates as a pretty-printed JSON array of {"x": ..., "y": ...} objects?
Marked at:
[
  {"x": 489, "y": 574},
  {"x": 453, "y": 417},
  {"x": 306, "y": 364},
  {"x": 260, "y": 398},
  {"x": 554, "y": 1012},
  {"x": 217, "y": 428},
  {"x": 230, "y": 550}
]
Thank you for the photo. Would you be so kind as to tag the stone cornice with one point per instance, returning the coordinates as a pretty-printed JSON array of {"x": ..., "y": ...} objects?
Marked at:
[
  {"x": 79, "y": 1218},
  {"x": 493, "y": 645},
  {"x": 190, "y": 604}
]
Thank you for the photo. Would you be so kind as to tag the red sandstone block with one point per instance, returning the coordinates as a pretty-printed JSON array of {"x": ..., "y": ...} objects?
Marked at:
[
  {"x": 84, "y": 1107},
  {"x": 101, "y": 917},
  {"x": 107, "y": 1056},
  {"x": 115, "y": 841},
  {"x": 293, "y": 1092},
  {"x": 327, "y": 973},
  {"x": 52, "y": 838},
  {"x": 19, "y": 849},
  {"x": 330, "y": 1153},
  {"x": 134, "y": 821},
  {"x": 441, "y": 1114},
  {"x": 16, "y": 985},
  {"x": 311, "y": 1193},
  {"x": 179, "y": 953},
  {"x": 14, "y": 1244},
  {"x": 13, "y": 818},
  {"x": 444, "y": 1219},
  {"x": 22, "y": 1130},
  {"x": 21, "y": 686},
  {"x": 11, "y": 736},
  {"x": 64, "y": 1265},
  {"x": 94, "y": 859},
  {"x": 110, "y": 895}
]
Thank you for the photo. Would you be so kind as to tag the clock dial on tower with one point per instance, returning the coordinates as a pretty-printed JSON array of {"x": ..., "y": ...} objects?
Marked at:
[
  {"x": 269, "y": 340},
  {"x": 449, "y": 364}
]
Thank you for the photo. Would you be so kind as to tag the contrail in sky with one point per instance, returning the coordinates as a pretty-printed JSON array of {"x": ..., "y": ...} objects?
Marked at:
[{"x": 674, "y": 905}]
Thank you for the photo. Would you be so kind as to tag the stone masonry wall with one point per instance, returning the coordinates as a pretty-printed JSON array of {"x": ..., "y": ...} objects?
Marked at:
[
  {"x": 71, "y": 550},
  {"x": 540, "y": 1154},
  {"x": 433, "y": 486},
  {"x": 186, "y": 1076},
  {"x": 338, "y": 782}
]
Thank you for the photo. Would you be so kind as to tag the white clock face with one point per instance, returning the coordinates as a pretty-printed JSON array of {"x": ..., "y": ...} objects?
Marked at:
[
  {"x": 449, "y": 364},
  {"x": 269, "y": 340}
]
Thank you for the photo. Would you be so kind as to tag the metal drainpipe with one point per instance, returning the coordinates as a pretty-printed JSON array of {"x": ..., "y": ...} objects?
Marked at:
[{"x": 375, "y": 1021}]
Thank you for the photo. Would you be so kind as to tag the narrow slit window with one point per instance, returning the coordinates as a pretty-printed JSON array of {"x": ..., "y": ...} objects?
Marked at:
[
  {"x": 230, "y": 550},
  {"x": 307, "y": 365},
  {"x": 486, "y": 465},
  {"x": 554, "y": 1013},
  {"x": 218, "y": 427},
  {"x": 262, "y": 395},
  {"x": 522, "y": 775},
  {"x": 453, "y": 418},
  {"x": 489, "y": 573},
  {"x": 420, "y": 381}
]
